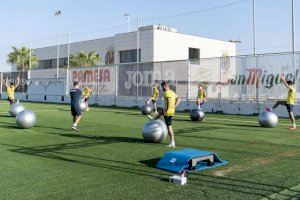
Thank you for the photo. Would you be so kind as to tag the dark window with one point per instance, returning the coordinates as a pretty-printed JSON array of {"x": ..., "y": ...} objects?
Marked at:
[
  {"x": 51, "y": 63},
  {"x": 129, "y": 56},
  {"x": 194, "y": 54}
]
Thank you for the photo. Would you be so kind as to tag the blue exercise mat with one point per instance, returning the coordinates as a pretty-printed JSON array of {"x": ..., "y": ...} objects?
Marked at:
[{"x": 178, "y": 161}]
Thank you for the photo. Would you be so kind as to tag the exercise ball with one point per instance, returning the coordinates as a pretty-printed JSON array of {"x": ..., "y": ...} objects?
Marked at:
[
  {"x": 155, "y": 131},
  {"x": 82, "y": 105},
  {"x": 26, "y": 119},
  {"x": 197, "y": 115},
  {"x": 15, "y": 109},
  {"x": 146, "y": 110},
  {"x": 268, "y": 119}
]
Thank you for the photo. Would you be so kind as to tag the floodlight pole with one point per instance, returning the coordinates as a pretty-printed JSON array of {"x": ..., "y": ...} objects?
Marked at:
[
  {"x": 293, "y": 26},
  {"x": 137, "y": 56},
  {"x": 30, "y": 64},
  {"x": 68, "y": 64},
  {"x": 253, "y": 26},
  {"x": 57, "y": 13},
  {"x": 128, "y": 21}
]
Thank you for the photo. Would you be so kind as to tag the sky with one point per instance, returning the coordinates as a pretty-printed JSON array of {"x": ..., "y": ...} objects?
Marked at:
[{"x": 34, "y": 20}]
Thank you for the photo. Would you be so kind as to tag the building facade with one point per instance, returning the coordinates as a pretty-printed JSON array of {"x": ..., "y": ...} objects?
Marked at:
[{"x": 156, "y": 43}]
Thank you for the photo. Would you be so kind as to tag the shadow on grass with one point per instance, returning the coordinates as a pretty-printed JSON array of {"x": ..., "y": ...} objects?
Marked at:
[{"x": 200, "y": 181}]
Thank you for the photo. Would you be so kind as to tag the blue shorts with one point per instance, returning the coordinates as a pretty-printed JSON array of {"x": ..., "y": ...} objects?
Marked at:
[
  {"x": 289, "y": 107},
  {"x": 75, "y": 111},
  {"x": 168, "y": 120}
]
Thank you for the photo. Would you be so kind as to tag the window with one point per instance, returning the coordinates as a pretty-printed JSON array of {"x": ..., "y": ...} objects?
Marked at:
[
  {"x": 194, "y": 54},
  {"x": 51, "y": 63},
  {"x": 129, "y": 56}
]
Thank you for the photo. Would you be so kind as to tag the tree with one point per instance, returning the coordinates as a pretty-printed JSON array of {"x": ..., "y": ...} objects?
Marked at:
[
  {"x": 20, "y": 57},
  {"x": 82, "y": 59}
]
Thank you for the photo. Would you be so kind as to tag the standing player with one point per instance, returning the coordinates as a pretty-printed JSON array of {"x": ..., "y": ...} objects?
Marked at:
[
  {"x": 87, "y": 92},
  {"x": 171, "y": 101},
  {"x": 10, "y": 88},
  {"x": 289, "y": 102},
  {"x": 154, "y": 98},
  {"x": 201, "y": 96},
  {"x": 75, "y": 95}
]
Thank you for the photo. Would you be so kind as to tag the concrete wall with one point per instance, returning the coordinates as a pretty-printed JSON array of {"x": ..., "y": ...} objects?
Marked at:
[
  {"x": 175, "y": 46},
  {"x": 211, "y": 106}
]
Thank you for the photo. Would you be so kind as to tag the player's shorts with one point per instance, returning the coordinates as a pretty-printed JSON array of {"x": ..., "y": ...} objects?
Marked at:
[
  {"x": 289, "y": 107},
  {"x": 11, "y": 101},
  {"x": 154, "y": 101},
  {"x": 86, "y": 99},
  {"x": 168, "y": 120},
  {"x": 75, "y": 111}
]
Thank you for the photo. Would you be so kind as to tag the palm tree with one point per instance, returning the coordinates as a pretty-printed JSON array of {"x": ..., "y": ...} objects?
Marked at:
[
  {"x": 82, "y": 59},
  {"x": 20, "y": 58}
]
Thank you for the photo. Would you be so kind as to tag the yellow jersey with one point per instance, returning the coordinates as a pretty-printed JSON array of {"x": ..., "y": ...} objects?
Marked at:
[
  {"x": 201, "y": 94},
  {"x": 86, "y": 92},
  {"x": 169, "y": 100},
  {"x": 155, "y": 93},
  {"x": 291, "y": 97},
  {"x": 11, "y": 91}
]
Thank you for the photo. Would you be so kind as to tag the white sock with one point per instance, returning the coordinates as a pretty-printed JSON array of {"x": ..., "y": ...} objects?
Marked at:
[
  {"x": 199, "y": 107},
  {"x": 75, "y": 124}
]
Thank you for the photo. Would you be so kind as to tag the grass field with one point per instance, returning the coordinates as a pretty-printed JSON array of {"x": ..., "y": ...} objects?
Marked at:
[{"x": 108, "y": 159}]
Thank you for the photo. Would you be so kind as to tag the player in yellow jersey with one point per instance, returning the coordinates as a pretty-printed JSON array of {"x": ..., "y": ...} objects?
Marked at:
[
  {"x": 171, "y": 101},
  {"x": 154, "y": 98},
  {"x": 289, "y": 102},
  {"x": 201, "y": 96},
  {"x": 10, "y": 88},
  {"x": 86, "y": 94}
]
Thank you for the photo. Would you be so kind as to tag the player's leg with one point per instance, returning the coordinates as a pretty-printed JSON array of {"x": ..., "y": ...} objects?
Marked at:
[
  {"x": 168, "y": 120},
  {"x": 290, "y": 109},
  {"x": 283, "y": 103},
  {"x": 198, "y": 102},
  {"x": 154, "y": 106},
  {"x": 87, "y": 104}
]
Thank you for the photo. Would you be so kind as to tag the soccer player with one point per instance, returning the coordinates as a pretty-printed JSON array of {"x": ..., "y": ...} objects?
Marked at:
[
  {"x": 171, "y": 101},
  {"x": 75, "y": 94},
  {"x": 10, "y": 88},
  {"x": 201, "y": 96},
  {"x": 289, "y": 102},
  {"x": 87, "y": 92},
  {"x": 154, "y": 98}
]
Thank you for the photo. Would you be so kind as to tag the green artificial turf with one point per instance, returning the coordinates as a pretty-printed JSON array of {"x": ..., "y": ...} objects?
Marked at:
[{"x": 108, "y": 159}]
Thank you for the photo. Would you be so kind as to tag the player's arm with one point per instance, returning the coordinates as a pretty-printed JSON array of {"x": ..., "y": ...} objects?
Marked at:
[
  {"x": 285, "y": 83},
  {"x": 18, "y": 82},
  {"x": 6, "y": 82},
  {"x": 177, "y": 101},
  {"x": 204, "y": 94}
]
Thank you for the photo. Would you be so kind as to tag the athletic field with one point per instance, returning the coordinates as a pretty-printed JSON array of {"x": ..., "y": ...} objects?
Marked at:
[{"x": 108, "y": 159}]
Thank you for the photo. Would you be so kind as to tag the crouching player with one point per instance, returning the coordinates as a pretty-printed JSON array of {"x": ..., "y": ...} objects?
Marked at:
[
  {"x": 87, "y": 92},
  {"x": 289, "y": 102},
  {"x": 154, "y": 98},
  {"x": 201, "y": 96},
  {"x": 75, "y": 95},
  {"x": 171, "y": 101},
  {"x": 10, "y": 88}
]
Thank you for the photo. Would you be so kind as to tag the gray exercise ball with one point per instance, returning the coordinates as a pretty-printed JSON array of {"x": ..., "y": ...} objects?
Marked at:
[
  {"x": 26, "y": 119},
  {"x": 268, "y": 119},
  {"x": 82, "y": 105},
  {"x": 15, "y": 109},
  {"x": 197, "y": 115},
  {"x": 146, "y": 110},
  {"x": 155, "y": 131}
]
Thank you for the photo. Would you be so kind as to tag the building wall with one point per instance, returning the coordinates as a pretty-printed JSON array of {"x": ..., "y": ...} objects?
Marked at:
[{"x": 175, "y": 46}]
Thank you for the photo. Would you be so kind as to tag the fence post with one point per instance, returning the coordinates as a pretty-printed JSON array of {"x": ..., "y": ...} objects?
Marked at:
[
  {"x": 188, "y": 95},
  {"x": 116, "y": 83},
  {"x": 257, "y": 85}
]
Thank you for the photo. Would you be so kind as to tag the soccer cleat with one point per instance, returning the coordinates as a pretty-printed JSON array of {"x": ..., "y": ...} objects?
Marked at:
[{"x": 75, "y": 128}]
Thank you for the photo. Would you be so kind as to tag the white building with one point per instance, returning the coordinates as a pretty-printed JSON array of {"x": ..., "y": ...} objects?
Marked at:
[{"x": 156, "y": 43}]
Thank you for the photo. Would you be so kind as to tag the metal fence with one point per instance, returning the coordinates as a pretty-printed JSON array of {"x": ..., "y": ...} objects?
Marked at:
[{"x": 249, "y": 78}]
